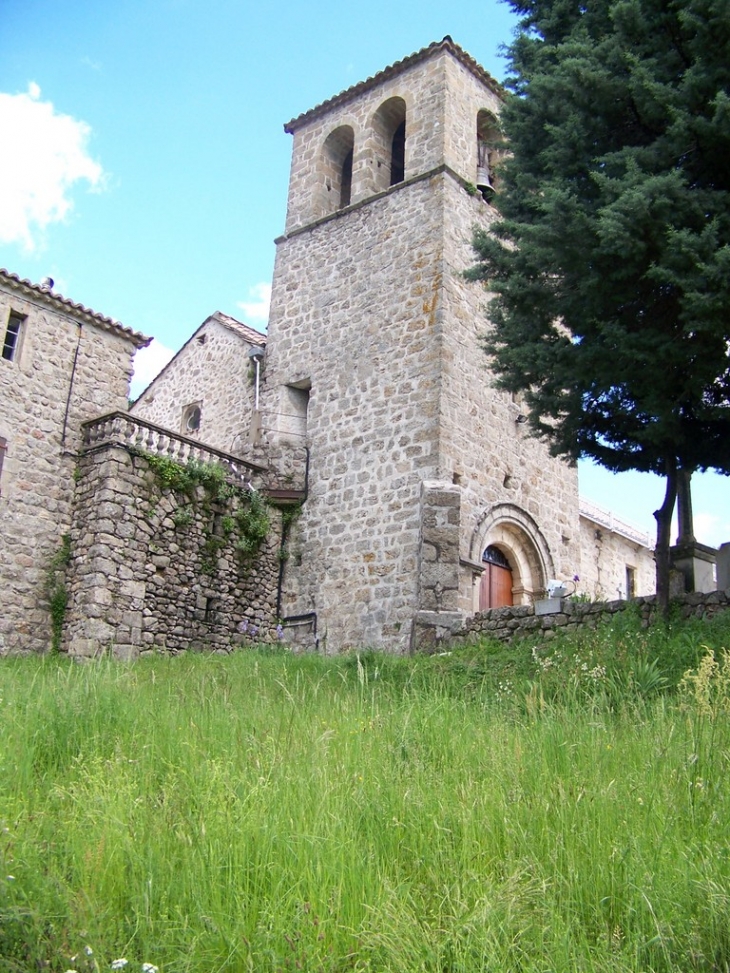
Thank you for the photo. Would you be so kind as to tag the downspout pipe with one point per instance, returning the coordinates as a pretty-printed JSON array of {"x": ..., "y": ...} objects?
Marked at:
[
  {"x": 70, "y": 386},
  {"x": 256, "y": 354}
]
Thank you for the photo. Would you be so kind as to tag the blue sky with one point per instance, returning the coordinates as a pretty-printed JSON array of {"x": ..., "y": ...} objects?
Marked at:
[{"x": 145, "y": 164}]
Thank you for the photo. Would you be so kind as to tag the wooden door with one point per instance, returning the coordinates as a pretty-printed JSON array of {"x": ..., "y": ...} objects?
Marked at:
[{"x": 495, "y": 588}]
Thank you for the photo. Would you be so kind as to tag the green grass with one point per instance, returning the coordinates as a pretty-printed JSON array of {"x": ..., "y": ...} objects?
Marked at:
[{"x": 524, "y": 808}]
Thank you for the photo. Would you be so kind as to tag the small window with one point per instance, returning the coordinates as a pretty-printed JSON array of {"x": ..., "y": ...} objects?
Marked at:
[
  {"x": 630, "y": 582},
  {"x": 295, "y": 407},
  {"x": 13, "y": 334},
  {"x": 192, "y": 414}
]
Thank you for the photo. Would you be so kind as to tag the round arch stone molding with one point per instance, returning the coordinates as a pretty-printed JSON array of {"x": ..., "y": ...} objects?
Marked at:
[{"x": 513, "y": 531}]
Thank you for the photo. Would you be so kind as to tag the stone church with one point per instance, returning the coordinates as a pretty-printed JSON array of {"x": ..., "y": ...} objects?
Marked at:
[
  {"x": 426, "y": 499},
  {"x": 415, "y": 496}
]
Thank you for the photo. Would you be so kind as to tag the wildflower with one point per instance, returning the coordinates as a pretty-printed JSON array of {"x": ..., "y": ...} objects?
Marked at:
[
  {"x": 88, "y": 950},
  {"x": 254, "y": 631},
  {"x": 280, "y": 631},
  {"x": 149, "y": 968},
  {"x": 119, "y": 964},
  {"x": 576, "y": 577},
  {"x": 243, "y": 626}
]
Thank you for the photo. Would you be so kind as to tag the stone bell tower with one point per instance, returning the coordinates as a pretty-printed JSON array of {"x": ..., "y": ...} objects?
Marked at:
[{"x": 418, "y": 468}]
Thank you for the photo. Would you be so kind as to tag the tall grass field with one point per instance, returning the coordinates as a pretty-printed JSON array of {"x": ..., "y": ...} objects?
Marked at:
[{"x": 540, "y": 808}]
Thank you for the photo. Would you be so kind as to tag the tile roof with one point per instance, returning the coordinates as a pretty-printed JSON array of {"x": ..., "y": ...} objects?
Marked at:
[
  {"x": 243, "y": 331},
  {"x": 29, "y": 289},
  {"x": 238, "y": 327},
  {"x": 447, "y": 44}
]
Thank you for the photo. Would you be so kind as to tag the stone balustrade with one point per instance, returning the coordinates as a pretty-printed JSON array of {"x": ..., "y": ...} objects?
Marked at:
[
  {"x": 616, "y": 524},
  {"x": 136, "y": 435}
]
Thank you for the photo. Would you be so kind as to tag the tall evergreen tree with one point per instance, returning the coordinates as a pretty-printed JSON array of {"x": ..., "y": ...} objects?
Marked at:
[{"x": 609, "y": 260}]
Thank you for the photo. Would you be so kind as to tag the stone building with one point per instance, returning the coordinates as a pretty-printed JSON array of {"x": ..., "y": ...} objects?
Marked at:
[
  {"x": 426, "y": 500},
  {"x": 61, "y": 364}
]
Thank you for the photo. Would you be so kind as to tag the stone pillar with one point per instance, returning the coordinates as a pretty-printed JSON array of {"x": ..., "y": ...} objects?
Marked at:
[
  {"x": 106, "y": 574},
  {"x": 696, "y": 562},
  {"x": 723, "y": 568},
  {"x": 438, "y": 564}
]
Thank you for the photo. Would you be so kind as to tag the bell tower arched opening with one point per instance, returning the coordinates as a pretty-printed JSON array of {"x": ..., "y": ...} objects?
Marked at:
[
  {"x": 488, "y": 137},
  {"x": 335, "y": 185},
  {"x": 389, "y": 144}
]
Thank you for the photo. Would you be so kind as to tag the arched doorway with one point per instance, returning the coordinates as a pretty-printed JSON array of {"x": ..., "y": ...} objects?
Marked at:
[
  {"x": 514, "y": 557},
  {"x": 495, "y": 587}
]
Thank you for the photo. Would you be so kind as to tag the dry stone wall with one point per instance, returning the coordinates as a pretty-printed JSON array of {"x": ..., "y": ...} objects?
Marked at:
[
  {"x": 155, "y": 569},
  {"x": 522, "y": 621}
]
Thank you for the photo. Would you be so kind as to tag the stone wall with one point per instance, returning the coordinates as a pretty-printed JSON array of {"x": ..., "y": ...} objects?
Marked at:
[
  {"x": 370, "y": 360},
  {"x": 70, "y": 364},
  {"x": 515, "y": 495},
  {"x": 155, "y": 569},
  {"x": 610, "y": 553},
  {"x": 522, "y": 621}
]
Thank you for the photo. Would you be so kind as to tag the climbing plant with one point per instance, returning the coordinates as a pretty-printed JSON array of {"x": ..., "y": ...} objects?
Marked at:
[
  {"x": 249, "y": 520},
  {"x": 57, "y": 592},
  {"x": 252, "y": 521}
]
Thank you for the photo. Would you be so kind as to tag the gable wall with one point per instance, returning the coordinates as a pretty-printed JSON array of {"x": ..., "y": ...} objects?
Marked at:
[{"x": 217, "y": 373}]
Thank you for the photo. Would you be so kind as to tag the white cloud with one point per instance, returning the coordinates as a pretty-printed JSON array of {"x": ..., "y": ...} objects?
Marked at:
[
  {"x": 44, "y": 155},
  {"x": 709, "y": 529},
  {"x": 148, "y": 363},
  {"x": 257, "y": 309}
]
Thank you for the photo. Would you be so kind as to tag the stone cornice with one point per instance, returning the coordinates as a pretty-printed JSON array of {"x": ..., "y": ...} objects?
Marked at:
[
  {"x": 447, "y": 44},
  {"x": 429, "y": 174}
]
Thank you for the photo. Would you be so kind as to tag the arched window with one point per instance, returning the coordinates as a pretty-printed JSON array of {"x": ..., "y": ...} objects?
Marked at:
[
  {"x": 389, "y": 143},
  {"x": 191, "y": 418},
  {"x": 488, "y": 138},
  {"x": 337, "y": 156}
]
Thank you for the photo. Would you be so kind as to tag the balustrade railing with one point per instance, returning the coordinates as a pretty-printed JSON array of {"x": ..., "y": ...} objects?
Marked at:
[
  {"x": 607, "y": 519},
  {"x": 130, "y": 432}
]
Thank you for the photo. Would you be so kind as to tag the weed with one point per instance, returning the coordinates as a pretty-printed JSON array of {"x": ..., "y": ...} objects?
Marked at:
[{"x": 56, "y": 591}]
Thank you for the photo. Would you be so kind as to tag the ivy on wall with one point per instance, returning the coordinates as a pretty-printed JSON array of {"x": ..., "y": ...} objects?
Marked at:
[
  {"x": 249, "y": 520},
  {"x": 56, "y": 591}
]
